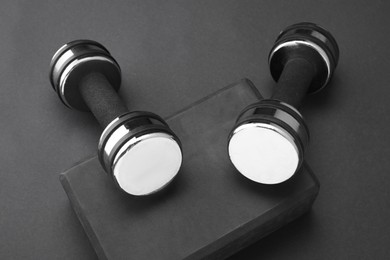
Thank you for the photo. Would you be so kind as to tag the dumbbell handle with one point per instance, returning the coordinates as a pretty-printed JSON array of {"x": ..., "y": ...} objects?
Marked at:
[
  {"x": 294, "y": 81},
  {"x": 101, "y": 98}
]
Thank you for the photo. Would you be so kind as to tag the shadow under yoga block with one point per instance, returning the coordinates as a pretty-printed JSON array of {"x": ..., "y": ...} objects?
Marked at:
[{"x": 208, "y": 211}]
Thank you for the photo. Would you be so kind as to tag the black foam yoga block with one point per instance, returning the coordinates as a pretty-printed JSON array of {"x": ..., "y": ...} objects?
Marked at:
[{"x": 209, "y": 211}]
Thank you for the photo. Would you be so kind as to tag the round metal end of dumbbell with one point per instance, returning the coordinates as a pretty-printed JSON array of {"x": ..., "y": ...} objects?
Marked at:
[
  {"x": 72, "y": 62},
  {"x": 267, "y": 144},
  {"x": 306, "y": 40},
  {"x": 140, "y": 152}
]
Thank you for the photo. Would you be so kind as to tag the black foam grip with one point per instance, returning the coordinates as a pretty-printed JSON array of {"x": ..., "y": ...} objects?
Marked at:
[
  {"x": 294, "y": 81},
  {"x": 101, "y": 98}
]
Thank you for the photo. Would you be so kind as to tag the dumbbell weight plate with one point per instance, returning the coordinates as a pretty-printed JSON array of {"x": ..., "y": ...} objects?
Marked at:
[
  {"x": 75, "y": 60},
  {"x": 264, "y": 153},
  {"x": 268, "y": 142},
  {"x": 147, "y": 164},
  {"x": 140, "y": 152}
]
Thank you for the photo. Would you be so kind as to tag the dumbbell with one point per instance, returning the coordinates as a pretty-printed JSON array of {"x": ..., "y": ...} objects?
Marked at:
[
  {"x": 137, "y": 149},
  {"x": 269, "y": 140}
]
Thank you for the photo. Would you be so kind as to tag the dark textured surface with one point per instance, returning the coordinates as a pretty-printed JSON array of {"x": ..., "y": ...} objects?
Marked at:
[
  {"x": 294, "y": 82},
  {"x": 173, "y": 53},
  {"x": 210, "y": 210},
  {"x": 101, "y": 98}
]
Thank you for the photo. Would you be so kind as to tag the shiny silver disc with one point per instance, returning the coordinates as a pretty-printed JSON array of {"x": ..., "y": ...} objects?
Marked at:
[
  {"x": 264, "y": 153},
  {"x": 147, "y": 164}
]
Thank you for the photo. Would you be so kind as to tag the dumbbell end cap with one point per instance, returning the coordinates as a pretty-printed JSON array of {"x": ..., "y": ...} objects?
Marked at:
[
  {"x": 147, "y": 164},
  {"x": 268, "y": 143},
  {"x": 264, "y": 153},
  {"x": 72, "y": 62},
  {"x": 140, "y": 152},
  {"x": 310, "y": 40}
]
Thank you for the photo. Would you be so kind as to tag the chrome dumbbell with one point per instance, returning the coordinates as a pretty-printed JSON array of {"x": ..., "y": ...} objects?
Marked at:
[
  {"x": 268, "y": 142},
  {"x": 137, "y": 149}
]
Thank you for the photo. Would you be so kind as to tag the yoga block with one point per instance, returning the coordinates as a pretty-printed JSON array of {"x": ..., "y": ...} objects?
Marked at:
[{"x": 208, "y": 211}]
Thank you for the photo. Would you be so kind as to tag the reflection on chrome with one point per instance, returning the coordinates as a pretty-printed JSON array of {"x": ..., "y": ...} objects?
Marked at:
[
  {"x": 68, "y": 70},
  {"x": 146, "y": 164},
  {"x": 264, "y": 153},
  {"x": 310, "y": 44}
]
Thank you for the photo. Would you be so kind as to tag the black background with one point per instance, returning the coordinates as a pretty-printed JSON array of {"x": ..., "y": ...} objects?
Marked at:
[{"x": 173, "y": 53}]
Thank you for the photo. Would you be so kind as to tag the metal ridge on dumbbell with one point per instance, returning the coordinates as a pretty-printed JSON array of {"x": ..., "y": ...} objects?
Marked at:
[
  {"x": 137, "y": 149},
  {"x": 268, "y": 142}
]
